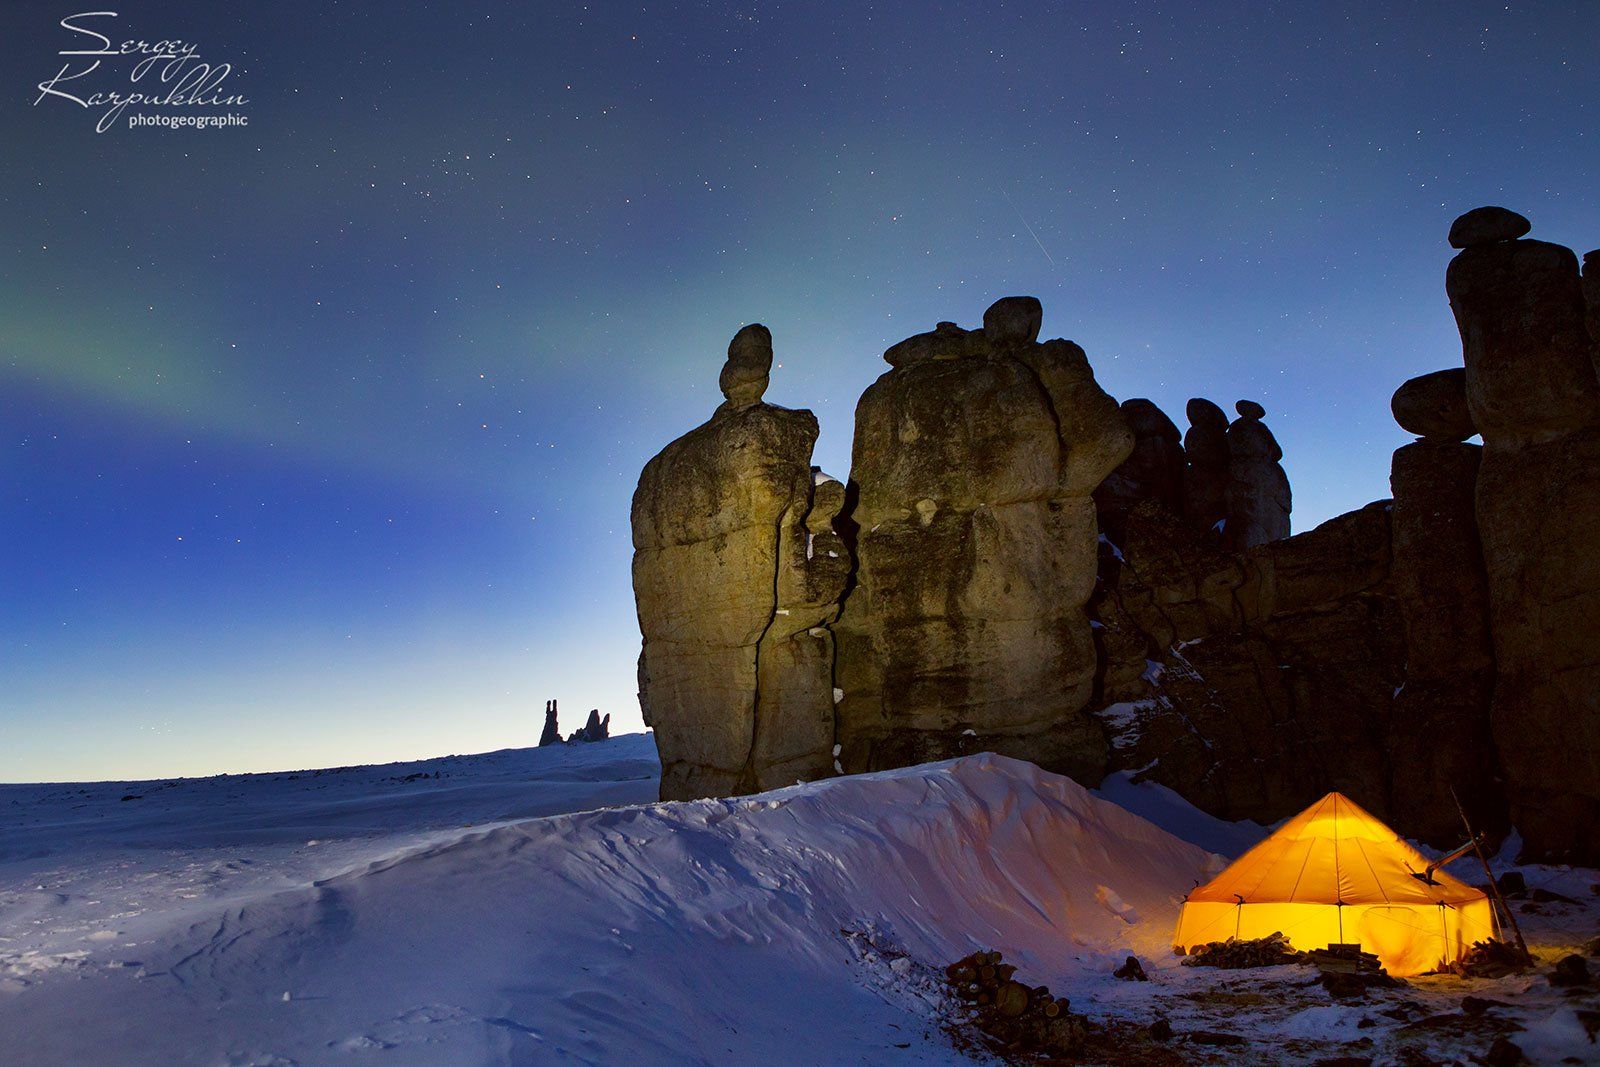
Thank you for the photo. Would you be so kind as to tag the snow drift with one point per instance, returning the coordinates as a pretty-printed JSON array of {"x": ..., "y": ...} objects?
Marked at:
[{"x": 707, "y": 931}]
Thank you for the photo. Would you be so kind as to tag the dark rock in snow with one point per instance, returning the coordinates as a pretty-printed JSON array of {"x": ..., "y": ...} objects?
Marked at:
[
  {"x": 1131, "y": 971},
  {"x": 1504, "y": 1053},
  {"x": 1479, "y": 1005},
  {"x": 1570, "y": 971}
]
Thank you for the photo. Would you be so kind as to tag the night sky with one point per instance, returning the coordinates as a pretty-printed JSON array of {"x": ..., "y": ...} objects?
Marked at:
[{"x": 317, "y": 436}]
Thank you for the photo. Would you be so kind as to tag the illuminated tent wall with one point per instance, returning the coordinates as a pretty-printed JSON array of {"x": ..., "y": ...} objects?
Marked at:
[{"x": 1334, "y": 874}]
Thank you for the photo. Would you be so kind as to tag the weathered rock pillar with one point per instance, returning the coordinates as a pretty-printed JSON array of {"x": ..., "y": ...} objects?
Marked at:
[
  {"x": 1154, "y": 470},
  {"x": 737, "y": 577},
  {"x": 1258, "y": 488},
  {"x": 975, "y": 459},
  {"x": 1535, "y": 398},
  {"x": 1205, "y": 473},
  {"x": 1439, "y": 734}
]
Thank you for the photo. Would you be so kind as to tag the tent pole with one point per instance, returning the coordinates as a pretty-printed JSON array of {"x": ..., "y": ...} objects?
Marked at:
[{"x": 1494, "y": 886}]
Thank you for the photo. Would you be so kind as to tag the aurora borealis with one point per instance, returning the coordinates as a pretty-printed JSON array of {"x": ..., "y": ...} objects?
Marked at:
[{"x": 317, "y": 435}]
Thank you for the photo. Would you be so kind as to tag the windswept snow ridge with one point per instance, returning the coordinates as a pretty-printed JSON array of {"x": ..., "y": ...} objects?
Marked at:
[
  {"x": 422, "y": 914},
  {"x": 711, "y": 931}
]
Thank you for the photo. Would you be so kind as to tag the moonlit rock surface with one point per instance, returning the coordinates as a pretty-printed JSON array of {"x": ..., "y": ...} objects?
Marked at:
[{"x": 975, "y": 459}]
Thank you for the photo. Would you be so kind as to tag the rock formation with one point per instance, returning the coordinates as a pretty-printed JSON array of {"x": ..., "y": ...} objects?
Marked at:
[
  {"x": 1267, "y": 673},
  {"x": 1535, "y": 398},
  {"x": 1439, "y": 730},
  {"x": 955, "y": 597},
  {"x": 737, "y": 577},
  {"x": 974, "y": 462},
  {"x": 1434, "y": 406},
  {"x": 1154, "y": 470},
  {"x": 595, "y": 729},
  {"x": 1487, "y": 225},
  {"x": 1205, "y": 474},
  {"x": 552, "y": 730},
  {"x": 1591, "y": 291},
  {"x": 1258, "y": 489}
]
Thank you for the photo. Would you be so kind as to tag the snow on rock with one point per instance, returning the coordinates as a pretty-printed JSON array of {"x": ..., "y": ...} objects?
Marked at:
[{"x": 717, "y": 931}]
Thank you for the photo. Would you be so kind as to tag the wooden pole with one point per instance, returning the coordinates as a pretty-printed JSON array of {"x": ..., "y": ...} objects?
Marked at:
[{"x": 1494, "y": 886}]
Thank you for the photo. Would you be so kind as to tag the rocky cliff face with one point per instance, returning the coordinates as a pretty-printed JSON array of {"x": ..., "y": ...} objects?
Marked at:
[
  {"x": 1267, "y": 671},
  {"x": 1439, "y": 725},
  {"x": 1533, "y": 393},
  {"x": 1021, "y": 565},
  {"x": 975, "y": 457}
]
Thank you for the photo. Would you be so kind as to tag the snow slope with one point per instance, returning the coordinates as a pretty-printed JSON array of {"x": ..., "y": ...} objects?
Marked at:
[
  {"x": 90, "y": 874},
  {"x": 426, "y": 914},
  {"x": 667, "y": 933}
]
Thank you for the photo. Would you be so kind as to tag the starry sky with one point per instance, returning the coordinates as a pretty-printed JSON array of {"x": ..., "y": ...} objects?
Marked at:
[{"x": 318, "y": 435}]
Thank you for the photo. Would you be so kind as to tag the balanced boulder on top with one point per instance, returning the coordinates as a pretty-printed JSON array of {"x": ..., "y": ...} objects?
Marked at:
[
  {"x": 1487, "y": 225},
  {"x": 1435, "y": 405}
]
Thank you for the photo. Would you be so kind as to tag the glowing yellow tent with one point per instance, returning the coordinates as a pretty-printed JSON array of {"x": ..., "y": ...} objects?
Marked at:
[{"x": 1334, "y": 874}]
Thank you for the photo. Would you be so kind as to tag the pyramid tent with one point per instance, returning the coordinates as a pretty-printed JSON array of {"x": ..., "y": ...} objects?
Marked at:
[{"x": 1334, "y": 874}]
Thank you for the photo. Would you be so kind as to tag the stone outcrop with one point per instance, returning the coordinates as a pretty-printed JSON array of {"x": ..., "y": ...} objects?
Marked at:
[
  {"x": 552, "y": 729},
  {"x": 1270, "y": 671},
  {"x": 1205, "y": 474},
  {"x": 1154, "y": 470},
  {"x": 1440, "y": 734},
  {"x": 956, "y": 596},
  {"x": 974, "y": 462},
  {"x": 1487, "y": 225},
  {"x": 737, "y": 577},
  {"x": 1258, "y": 489},
  {"x": 1434, "y": 406},
  {"x": 1591, "y": 291},
  {"x": 594, "y": 728},
  {"x": 1535, "y": 398}
]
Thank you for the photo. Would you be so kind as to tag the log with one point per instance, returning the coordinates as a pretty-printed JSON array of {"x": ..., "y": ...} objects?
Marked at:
[{"x": 1011, "y": 1000}]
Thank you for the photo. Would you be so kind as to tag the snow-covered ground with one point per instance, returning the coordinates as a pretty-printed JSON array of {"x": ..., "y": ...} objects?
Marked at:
[{"x": 444, "y": 912}]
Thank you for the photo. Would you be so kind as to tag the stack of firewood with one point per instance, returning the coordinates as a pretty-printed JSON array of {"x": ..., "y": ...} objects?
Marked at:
[
  {"x": 1269, "y": 951},
  {"x": 1346, "y": 959},
  {"x": 1014, "y": 1019},
  {"x": 1490, "y": 959},
  {"x": 983, "y": 981}
]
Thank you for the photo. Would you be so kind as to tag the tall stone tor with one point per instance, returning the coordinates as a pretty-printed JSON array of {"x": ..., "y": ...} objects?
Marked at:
[
  {"x": 975, "y": 460},
  {"x": 737, "y": 574},
  {"x": 1534, "y": 395},
  {"x": 942, "y": 603}
]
